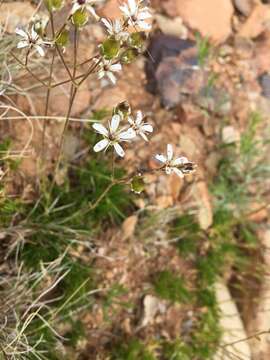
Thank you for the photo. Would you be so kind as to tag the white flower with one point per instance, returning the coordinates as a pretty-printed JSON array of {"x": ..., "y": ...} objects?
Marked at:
[
  {"x": 180, "y": 166},
  {"x": 115, "y": 28},
  {"x": 141, "y": 128},
  {"x": 30, "y": 40},
  {"x": 107, "y": 69},
  {"x": 84, "y": 5},
  {"x": 113, "y": 135},
  {"x": 136, "y": 14}
]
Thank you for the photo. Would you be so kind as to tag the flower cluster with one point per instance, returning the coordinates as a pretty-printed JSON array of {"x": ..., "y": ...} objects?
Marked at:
[
  {"x": 121, "y": 131},
  {"x": 180, "y": 166},
  {"x": 31, "y": 40},
  {"x": 136, "y": 14},
  {"x": 114, "y": 134},
  {"x": 85, "y": 5},
  {"x": 120, "y": 47}
]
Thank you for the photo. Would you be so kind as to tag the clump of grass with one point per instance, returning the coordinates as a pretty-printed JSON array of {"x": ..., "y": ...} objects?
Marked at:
[
  {"x": 133, "y": 350},
  {"x": 171, "y": 287},
  {"x": 204, "y": 48},
  {"x": 61, "y": 223},
  {"x": 243, "y": 170}
]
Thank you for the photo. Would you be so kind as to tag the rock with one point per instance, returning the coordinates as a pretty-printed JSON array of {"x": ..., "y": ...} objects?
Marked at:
[
  {"x": 174, "y": 27},
  {"x": 14, "y": 14},
  {"x": 205, "y": 211},
  {"x": 152, "y": 306},
  {"x": 214, "y": 100},
  {"x": 264, "y": 81},
  {"x": 128, "y": 226},
  {"x": 244, "y": 6},
  {"x": 109, "y": 98},
  {"x": 258, "y": 213},
  {"x": 206, "y": 16},
  {"x": 257, "y": 23},
  {"x": 232, "y": 326},
  {"x": 162, "y": 46},
  {"x": 260, "y": 321},
  {"x": 230, "y": 135},
  {"x": 262, "y": 53},
  {"x": 60, "y": 98},
  {"x": 178, "y": 80},
  {"x": 111, "y": 10},
  {"x": 173, "y": 71}
]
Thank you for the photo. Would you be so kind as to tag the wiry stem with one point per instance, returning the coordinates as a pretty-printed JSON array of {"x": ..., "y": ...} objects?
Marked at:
[
  {"x": 27, "y": 69},
  {"x": 49, "y": 86}
]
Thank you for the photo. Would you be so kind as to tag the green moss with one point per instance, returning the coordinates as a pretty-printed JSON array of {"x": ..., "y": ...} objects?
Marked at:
[
  {"x": 171, "y": 287},
  {"x": 188, "y": 231},
  {"x": 133, "y": 350},
  {"x": 177, "y": 350},
  {"x": 76, "y": 333}
]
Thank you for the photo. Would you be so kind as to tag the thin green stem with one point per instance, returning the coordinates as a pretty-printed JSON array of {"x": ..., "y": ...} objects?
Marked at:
[
  {"x": 64, "y": 63},
  {"x": 49, "y": 85},
  {"x": 73, "y": 92}
]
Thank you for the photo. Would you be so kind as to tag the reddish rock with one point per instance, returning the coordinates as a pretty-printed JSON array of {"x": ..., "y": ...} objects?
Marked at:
[
  {"x": 211, "y": 18},
  {"x": 257, "y": 22}
]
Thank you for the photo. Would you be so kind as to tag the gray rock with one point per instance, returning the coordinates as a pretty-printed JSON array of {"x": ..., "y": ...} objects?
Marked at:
[{"x": 264, "y": 81}]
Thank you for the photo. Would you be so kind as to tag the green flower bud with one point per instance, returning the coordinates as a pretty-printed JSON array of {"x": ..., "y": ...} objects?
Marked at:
[
  {"x": 129, "y": 55},
  {"x": 79, "y": 18},
  {"x": 110, "y": 48},
  {"x": 137, "y": 184},
  {"x": 54, "y": 5},
  {"x": 63, "y": 38},
  {"x": 136, "y": 40},
  {"x": 123, "y": 109}
]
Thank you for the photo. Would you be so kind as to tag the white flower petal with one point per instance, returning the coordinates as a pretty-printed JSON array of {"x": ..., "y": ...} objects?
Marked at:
[
  {"x": 101, "y": 145},
  {"x": 92, "y": 11},
  {"x": 139, "y": 118},
  {"x": 40, "y": 50},
  {"x": 100, "y": 129},
  {"x": 161, "y": 158},
  {"x": 115, "y": 123},
  {"x": 119, "y": 150},
  {"x": 21, "y": 32},
  {"x": 143, "y": 25},
  {"x": 143, "y": 135},
  {"x": 111, "y": 77},
  {"x": 125, "y": 10},
  {"x": 131, "y": 121},
  {"x": 22, "y": 44},
  {"x": 180, "y": 161},
  {"x": 116, "y": 67},
  {"x": 75, "y": 7},
  {"x": 107, "y": 23},
  {"x": 168, "y": 170},
  {"x": 144, "y": 15},
  {"x": 178, "y": 172},
  {"x": 127, "y": 135},
  {"x": 34, "y": 35},
  {"x": 132, "y": 6},
  {"x": 169, "y": 152},
  {"x": 101, "y": 74},
  {"x": 147, "y": 128}
]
